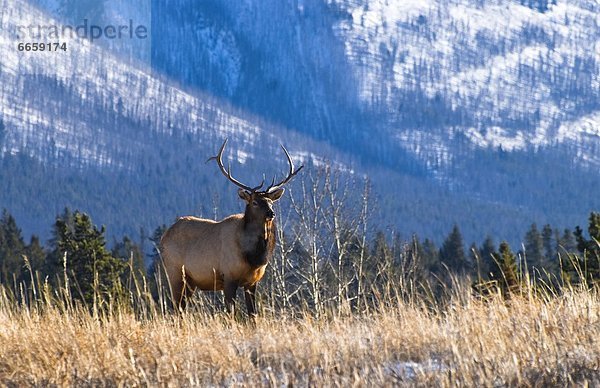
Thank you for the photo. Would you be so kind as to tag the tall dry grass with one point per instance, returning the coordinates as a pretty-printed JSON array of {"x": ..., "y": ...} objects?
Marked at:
[{"x": 532, "y": 339}]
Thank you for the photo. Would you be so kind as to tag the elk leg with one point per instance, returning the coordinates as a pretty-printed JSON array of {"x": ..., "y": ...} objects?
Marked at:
[
  {"x": 175, "y": 279},
  {"x": 187, "y": 293},
  {"x": 250, "y": 295},
  {"x": 178, "y": 298},
  {"x": 230, "y": 290},
  {"x": 181, "y": 291}
]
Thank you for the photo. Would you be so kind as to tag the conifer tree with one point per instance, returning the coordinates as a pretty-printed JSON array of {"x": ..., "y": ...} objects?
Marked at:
[
  {"x": 550, "y": 251},
  {"x": 126, "y": 250},
  {"x": 567, "y": 241},
  {"x": 53, "y": 265},
  {"x": 505, "y": 271},
  {"x": 534, "y": 248},
  {"x": 431, "y": 255},
  {"x": 89, "y": 263},
  {"x": 36, "y": 254},
  {"x": 487, "y": 249},
  {"x": 591, "y": 244},
  {"x": 452, "y": 253},
  {"x": 588, "y": 261},
  {"x": 548, "y": 241},
  {"x": 12, "y": 248}
]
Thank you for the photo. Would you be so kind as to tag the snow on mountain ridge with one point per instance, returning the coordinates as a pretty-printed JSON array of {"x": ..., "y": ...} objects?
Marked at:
[
  {"x": 388, "y": 40},
  {"x": 93, "y": 74}
]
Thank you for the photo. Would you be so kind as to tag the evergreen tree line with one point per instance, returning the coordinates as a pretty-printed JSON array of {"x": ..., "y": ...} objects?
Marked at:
[{"x": 78, "y": 257}]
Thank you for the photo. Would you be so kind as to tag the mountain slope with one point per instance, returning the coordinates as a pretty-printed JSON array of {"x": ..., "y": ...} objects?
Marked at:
[
  {"x": 119, "y": 141},
  {"x": 501, "y": 73},
  {"x": 454, "y": 119}
]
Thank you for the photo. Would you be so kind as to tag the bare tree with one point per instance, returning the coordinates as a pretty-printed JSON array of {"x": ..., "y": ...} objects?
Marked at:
[
  {"x": 360, "y": 263},
  {"x": 283, "y": 288},
  {"x": 309, "y": 230},
  {"x": 330, "y": 230}
]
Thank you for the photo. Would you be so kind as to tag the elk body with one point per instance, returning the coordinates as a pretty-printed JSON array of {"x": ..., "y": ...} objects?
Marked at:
[{"x": 234, "y": 252}]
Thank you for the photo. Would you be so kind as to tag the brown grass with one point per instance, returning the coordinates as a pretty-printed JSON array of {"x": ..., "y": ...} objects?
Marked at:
[{"x": 530, "y": 341}]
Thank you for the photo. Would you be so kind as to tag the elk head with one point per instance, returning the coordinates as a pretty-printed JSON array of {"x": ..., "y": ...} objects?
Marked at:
[{"x": 259, "y": 203}]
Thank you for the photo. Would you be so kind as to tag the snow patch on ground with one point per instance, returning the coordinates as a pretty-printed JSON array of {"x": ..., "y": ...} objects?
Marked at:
[{"x": 410, "y": 370}]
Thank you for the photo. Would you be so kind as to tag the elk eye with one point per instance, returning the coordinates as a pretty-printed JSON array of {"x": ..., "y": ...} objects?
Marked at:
[{"x": 254, "y": 203}]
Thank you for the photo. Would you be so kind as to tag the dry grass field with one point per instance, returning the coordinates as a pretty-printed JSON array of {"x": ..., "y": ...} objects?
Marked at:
[{"x": 528, "y": 340}]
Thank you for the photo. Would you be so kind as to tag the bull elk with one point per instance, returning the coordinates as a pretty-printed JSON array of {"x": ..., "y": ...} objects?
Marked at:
[{"x": 225, "y": 255}]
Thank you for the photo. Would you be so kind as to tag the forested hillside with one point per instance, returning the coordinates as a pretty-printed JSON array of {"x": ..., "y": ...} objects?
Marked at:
[{"x": 453, "y": 119}]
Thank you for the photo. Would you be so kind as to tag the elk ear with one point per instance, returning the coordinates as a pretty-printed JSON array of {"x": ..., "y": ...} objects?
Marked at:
[
  {"x": 244, "y": 195},
  {"x": 275, "y": 195}
]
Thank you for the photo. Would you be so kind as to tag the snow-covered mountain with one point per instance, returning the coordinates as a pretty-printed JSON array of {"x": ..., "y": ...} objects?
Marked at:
[
  {"x": 61, "y": 104},
  {"x": 515, "y": 74},
  {"x": 460, "y": 111},
  {"x": 85, "y": 113},
  {"x": 524, "y": 76}
]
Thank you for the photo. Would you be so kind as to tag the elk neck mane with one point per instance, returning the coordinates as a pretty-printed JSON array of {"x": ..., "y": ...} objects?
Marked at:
[{"x": 257, "y": 241}]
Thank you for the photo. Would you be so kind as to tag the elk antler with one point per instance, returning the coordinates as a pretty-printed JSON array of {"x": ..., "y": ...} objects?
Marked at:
[
  {"x": 291, "y": 173},
  {"x": 227, "y": 172}
]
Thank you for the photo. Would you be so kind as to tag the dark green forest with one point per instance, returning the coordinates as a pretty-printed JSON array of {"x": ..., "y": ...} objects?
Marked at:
[{"x": 78, "y": 255}]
